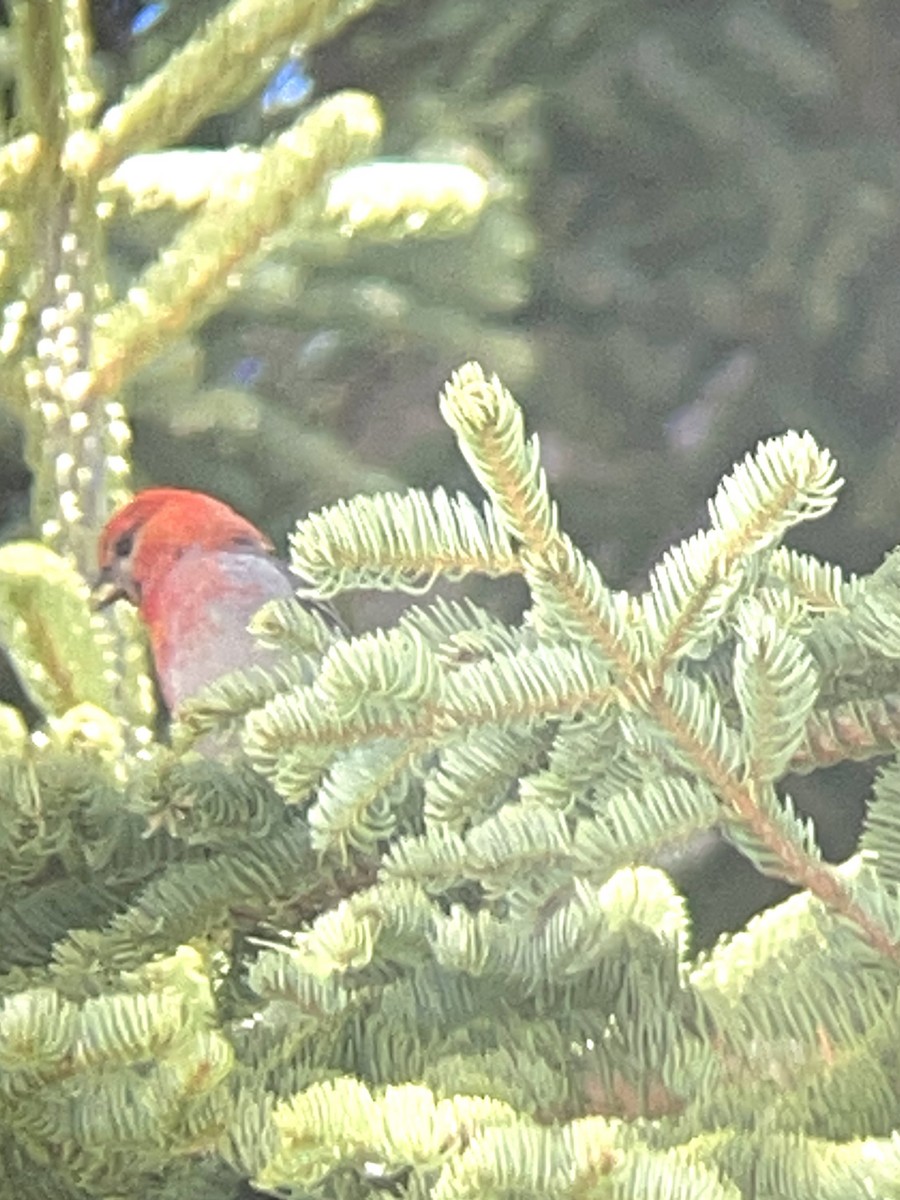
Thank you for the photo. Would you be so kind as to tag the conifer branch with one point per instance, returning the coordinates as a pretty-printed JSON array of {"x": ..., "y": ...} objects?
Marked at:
[
  {"x": 776, "y": 686},
  {"x": 795, "y": 862},
  {"x": 879, "y": 843},
  {"x": 355, "y": 805},
  {"x": 225, "y": 62},
  {"x": 18, "y": 162},
  {"x": 821, "y": 586},
  {"x": 490, "y": 429},
  {"x": 45, "y": 627},
  {"x": 851, "y": 732},
  {"x": 192, "y": 277},
  {"x": 400, "y": 541},
  {"x": 697, "y": 590},
  {"x": 788, "y": 480},
  {"x": 77, "y": 443}
]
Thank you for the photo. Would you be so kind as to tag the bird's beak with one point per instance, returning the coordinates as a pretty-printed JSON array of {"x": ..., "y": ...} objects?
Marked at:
[{"x": 105, "y": 591}]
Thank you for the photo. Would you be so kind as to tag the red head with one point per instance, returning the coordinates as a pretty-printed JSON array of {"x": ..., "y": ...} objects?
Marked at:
[{"x": 142, "y": 541}]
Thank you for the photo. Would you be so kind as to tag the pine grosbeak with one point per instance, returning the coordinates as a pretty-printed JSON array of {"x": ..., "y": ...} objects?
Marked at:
[{"x": 197, "y": 572}]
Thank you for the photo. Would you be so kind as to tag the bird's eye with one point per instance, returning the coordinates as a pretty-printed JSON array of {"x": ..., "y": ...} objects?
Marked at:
[{"x": 124, "y": 544}]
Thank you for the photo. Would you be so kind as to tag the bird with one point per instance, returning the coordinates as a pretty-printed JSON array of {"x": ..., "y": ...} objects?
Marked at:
[{"x": 196, "y": 571}]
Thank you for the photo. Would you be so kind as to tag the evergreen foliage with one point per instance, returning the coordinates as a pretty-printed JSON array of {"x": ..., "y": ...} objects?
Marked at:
[{"x": 415, "y": 936}]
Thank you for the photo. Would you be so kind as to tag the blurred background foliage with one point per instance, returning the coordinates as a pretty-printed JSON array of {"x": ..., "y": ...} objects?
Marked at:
[{"x": 691, "y": 245}]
